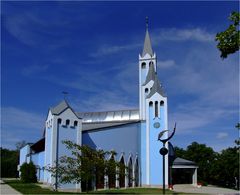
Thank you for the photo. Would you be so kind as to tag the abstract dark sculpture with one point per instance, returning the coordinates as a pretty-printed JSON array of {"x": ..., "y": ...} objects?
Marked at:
[{"x": 164, "y": 151}]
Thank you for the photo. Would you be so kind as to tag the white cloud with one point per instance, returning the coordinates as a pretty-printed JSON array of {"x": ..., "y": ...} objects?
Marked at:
[
  {"x": 222, "y": 135},
  {"x": 166, "y": 64},
  {"x": 187, "y": 34}
]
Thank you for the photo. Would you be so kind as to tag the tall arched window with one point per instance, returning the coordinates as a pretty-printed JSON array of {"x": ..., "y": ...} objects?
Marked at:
[
  {"x": 136, "y": 173},
  {"x": 146, "y": 90},
  {"x": 151, "y": 104},
  {"x": 130, "y": 173},
  {"x": 111, "y": 173},
  {"x": 122, "y": 173},
  {"x": 156, "y": 109},
  {"x": 162, "y": 103},
  {"x": 143, "y": 65}
]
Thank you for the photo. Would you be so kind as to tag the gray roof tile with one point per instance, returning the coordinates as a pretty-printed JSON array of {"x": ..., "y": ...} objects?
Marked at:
[
  {"x": 150, "y": 75},
  {"x": 157, "y": 88},
  {"x": 147, "y": 48},
  {"x": 60, "y": 108}
]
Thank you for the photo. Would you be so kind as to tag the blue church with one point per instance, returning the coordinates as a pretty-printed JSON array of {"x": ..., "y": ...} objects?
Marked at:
[{"x": 133, "y": 134}]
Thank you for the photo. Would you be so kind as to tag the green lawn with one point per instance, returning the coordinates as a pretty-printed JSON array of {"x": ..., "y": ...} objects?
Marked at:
[{"x": 31, "y": 188}]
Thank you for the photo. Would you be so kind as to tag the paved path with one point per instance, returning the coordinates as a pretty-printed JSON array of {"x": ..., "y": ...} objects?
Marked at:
[
  {"x": 188, "y": 188},
  {"x": 6, "y": 189}
]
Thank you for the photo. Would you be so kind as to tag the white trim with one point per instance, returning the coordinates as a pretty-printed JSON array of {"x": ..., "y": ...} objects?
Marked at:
[
  {"x": 147, "y": 146},
  {"x": 184, "y": 167},
  {"x": 122, "y": 155}
]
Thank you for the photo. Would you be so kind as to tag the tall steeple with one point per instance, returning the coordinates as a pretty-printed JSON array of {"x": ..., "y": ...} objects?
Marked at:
[{"x": 147, "y": 48}]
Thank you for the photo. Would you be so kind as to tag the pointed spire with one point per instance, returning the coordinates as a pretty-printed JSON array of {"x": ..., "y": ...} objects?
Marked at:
[
  {"x": 150, "y": 75},
  {"x": 157, "y": 88},
  {"x": 147, "y": 48}
]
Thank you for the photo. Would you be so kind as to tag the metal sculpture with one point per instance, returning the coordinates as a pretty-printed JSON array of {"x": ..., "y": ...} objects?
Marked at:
[{"x": 164, "y": 151}]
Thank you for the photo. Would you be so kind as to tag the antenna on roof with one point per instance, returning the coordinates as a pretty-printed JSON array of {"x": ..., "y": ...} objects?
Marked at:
[{"x": 65, "y": 94}]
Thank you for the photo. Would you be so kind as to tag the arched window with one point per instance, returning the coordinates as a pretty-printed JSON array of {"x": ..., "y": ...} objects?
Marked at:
[
  {"x": 59, "y": 121},
  {"x": 136, "y": 173},
  {"x": 143, "y": 65},
  {"x": 146, "y": 90},
  {"x": 67, "y": 122},
  {"x": 111, "y": 173},
  {"x": 130, "y": 173},
  {"x": 151, "y": 104},
  {"x": 75, "y": 123},
  {"x": 122, "y": 173},
  {"x": 162, "y": 103},
  {"x": 156, "y": 109}
]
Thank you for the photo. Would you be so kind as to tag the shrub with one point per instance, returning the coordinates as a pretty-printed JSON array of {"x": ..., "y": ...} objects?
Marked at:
[{"x": 28, "y": 173}]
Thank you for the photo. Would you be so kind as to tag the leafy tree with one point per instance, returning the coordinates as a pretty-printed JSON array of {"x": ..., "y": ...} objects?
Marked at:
[
  {"x": 220, "y": 169},
  {"x": 228, "y": 40},
  {"x": 9, "y": 162},
  {"x": 28, "y": 173},
  {"x": 228, "y": 168},
  {"x": 85, "y": 165}
]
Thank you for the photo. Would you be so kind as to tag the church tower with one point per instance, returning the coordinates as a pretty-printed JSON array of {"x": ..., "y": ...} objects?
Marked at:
[
  {"x": 153, "y": 115},
  {"x": 147, "y": 69}
]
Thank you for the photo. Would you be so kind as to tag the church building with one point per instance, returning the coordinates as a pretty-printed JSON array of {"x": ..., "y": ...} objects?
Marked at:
[{"x": 133, "y": 134}]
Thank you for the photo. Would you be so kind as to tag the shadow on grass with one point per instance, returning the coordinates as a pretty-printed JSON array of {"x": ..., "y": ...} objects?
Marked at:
[{"x": 32, "y": 188}]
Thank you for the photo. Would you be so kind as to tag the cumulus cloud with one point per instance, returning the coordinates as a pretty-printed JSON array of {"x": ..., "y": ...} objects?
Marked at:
[{"x": 222, "y": 135}]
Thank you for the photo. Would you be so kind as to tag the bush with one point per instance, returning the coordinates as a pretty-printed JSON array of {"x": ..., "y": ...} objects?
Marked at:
[{"x": 28, "y": 173}]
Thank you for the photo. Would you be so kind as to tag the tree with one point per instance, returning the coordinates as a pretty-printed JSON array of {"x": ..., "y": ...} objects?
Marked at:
[
  {"x": 229, "y": 39},
  {"x": 9, "y": 162},
  {"x": 28, "y": 173},
  {"x": 221, "y": 169},
  {"x": 86, "y": 165}
]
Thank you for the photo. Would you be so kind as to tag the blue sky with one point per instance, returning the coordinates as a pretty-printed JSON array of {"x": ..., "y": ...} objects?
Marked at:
[{"x": 90, "y": 49}]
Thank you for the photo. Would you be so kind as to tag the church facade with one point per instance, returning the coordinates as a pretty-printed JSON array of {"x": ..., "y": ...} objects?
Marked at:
[{"x": 133, "y": 134}]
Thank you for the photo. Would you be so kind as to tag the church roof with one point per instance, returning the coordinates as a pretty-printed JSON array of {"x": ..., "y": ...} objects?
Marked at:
[
  {"x": 147, "y": 48},
  {"x": 157, "y": 88},
  {"x": 151, "y": 75},
  {"x": 61, "y": 107},
  {"x": 181, "y": 161},
  {"x": 109, "y": 116},
  {"x": 101, "y": 125}
]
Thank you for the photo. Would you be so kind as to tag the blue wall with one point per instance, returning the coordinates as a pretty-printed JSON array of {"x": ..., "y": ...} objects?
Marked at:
[
  {"x": 23, "y": 154},
  {"x": 124, "y": 138},
  {"x": 66, "y": 133},
  {"x": 155, "y": 145},
  {"x": 48, "y": 144},
  {"x": 38, "y": 160},
  {"x": 143, "y": 152}
]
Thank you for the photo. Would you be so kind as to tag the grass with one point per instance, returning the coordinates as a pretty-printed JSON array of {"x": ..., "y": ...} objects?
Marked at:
[{"x": 31, "y": 188}]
